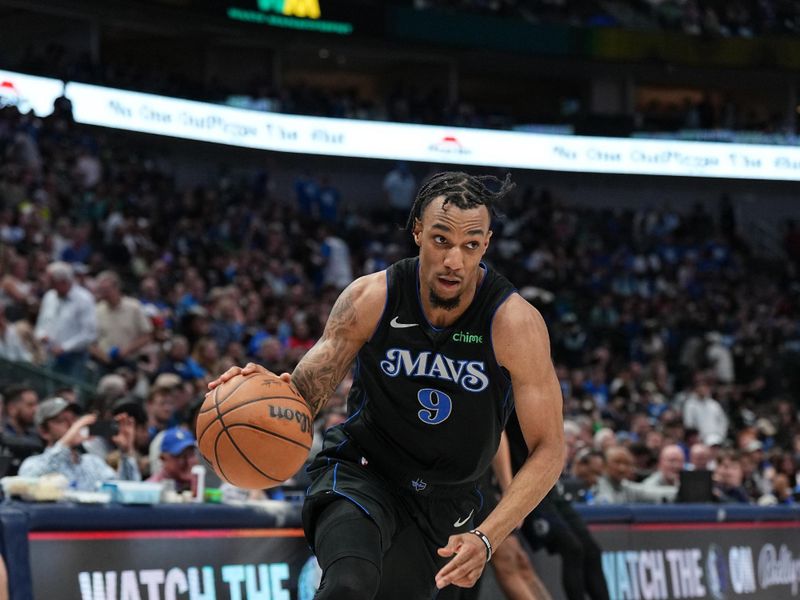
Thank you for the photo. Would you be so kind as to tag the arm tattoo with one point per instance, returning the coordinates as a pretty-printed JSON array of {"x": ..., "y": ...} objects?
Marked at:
[{"x": 324, "y": 366}]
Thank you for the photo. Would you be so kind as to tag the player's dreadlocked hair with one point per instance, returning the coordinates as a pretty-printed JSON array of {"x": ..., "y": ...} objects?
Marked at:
[{"x": 465, "y": 191}]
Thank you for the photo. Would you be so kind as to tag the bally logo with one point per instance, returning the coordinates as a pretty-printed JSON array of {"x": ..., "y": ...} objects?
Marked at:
[
  {"x": 279, "y": 412},
  {"x": 467, "y": 338}
]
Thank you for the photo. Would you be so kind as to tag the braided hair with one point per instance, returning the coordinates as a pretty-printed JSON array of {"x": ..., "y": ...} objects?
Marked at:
[{"x": 465, "y": 191}]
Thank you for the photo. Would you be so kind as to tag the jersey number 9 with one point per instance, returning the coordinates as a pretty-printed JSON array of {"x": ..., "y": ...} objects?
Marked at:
[{"x": 437, "y": 406}]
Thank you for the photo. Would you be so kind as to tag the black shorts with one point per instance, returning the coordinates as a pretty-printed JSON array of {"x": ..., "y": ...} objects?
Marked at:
[
  {"x": 552, "y": 518},
  {"x": 412, "y": 526}
]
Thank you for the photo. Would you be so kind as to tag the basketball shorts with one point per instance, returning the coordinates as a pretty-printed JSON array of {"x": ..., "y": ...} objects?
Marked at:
[{"x": 412, "y": 526}]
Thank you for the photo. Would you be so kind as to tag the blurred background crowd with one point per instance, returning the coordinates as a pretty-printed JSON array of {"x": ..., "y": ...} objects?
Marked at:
[
  {"x": 667, "y": 330},
  {"x": 133, "y": 272}
]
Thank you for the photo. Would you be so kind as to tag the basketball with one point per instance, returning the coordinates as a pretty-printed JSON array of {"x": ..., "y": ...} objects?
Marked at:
[{"x": 255, "y": 431}]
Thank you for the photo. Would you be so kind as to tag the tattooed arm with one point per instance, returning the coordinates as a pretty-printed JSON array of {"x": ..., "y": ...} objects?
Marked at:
[
  {"x": 350, "y": 324},
  {"x": 352, "y": 321}
]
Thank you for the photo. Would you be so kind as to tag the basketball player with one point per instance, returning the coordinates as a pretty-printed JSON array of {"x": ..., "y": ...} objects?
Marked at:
[{"x": 439, "y": 342}]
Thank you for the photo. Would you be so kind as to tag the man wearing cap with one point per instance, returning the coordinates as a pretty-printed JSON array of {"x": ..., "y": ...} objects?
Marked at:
[
  {"x": 63, "y": 430},
  {"x": 178, "y": 456}
]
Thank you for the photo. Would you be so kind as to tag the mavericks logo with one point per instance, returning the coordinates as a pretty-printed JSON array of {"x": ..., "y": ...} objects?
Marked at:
[
  {"x": 469, "y": 374},
  {"x": 716, "y": 572}
]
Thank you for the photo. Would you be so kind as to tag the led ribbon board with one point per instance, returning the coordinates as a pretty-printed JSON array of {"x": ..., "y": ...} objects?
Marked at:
[
  {"x": 147, "y": 113},
  {"x": 29, "y": 93}
]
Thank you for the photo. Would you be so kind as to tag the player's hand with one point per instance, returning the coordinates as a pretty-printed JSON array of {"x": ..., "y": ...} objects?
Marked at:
[
  {"x": 249, "y": 369},
  {"x": 466, "y": 566}
]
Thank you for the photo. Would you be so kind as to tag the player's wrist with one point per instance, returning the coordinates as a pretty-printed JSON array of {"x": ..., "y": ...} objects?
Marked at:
[{"x": 483, "y": 538}]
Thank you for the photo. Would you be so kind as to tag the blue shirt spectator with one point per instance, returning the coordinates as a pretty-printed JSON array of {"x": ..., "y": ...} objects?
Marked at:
[{"x": 64, "y": 431}]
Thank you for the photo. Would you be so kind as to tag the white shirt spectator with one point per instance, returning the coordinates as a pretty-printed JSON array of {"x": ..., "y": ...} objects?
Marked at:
[
  {"x": 89, "y": 170},
  {"x": 84, "y": 474},
  {"x": 69, "y": 322},
  {"x": 629, "y": 492},
  {"x": 720, "y": 357},
  {"x": 338, "y": 271},
  {"x": 706, "y": 415},
  {"x": 11, "y": 346}
]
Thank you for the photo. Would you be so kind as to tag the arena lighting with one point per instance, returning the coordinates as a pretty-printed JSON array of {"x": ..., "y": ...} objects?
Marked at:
[{"x": 147, "y": 113}]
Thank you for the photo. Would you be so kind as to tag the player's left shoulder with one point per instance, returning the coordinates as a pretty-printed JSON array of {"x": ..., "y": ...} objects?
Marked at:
[
  {"x": 515, "y": 314},
  {"x": 518, "y": 326}
]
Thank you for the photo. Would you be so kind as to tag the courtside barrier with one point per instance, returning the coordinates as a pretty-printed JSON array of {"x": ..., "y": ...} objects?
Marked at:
[{"x": 206, "y": 552}]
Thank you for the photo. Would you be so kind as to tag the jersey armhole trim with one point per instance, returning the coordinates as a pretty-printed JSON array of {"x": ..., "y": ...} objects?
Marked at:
[
  {"x": 491, "y": 332},
  {"x": 383, "y": 312}
]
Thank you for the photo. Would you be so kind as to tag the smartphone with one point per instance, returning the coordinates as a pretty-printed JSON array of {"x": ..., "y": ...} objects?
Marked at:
[{"x": 104, "y": 429}]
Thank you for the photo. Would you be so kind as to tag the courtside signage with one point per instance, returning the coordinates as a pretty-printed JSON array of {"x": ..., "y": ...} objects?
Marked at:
[
  {"x": 709, "y": 561},
  {"x": 29, "y": 93},
  {"x": 147, "y": 113},
  {"x": 243, "y": 564}
]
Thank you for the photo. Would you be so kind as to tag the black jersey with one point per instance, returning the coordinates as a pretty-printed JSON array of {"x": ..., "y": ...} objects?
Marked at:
[{"x": 428, "y": 405}]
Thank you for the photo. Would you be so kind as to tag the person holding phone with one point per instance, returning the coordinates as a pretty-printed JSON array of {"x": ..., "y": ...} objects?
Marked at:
[{"x": 64, "y": 430}]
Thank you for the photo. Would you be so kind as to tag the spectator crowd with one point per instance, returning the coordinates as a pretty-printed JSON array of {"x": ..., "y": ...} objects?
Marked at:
[{"x": 675, "y": 346}]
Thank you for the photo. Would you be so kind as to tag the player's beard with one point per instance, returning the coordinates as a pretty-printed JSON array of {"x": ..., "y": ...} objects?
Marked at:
[{"x": 446, "y": 303}]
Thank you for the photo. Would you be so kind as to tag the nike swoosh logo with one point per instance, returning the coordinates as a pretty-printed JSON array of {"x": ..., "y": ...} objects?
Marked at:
[
  {"x": 461, "y": 522},
  {"x": 397, "y": 325}
]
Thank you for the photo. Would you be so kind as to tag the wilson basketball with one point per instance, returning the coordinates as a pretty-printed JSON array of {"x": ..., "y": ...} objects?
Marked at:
[{"x": 255, "y": 431}]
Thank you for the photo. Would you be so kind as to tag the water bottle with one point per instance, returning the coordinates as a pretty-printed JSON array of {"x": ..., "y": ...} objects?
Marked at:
[{"x": 198, "y": 483}]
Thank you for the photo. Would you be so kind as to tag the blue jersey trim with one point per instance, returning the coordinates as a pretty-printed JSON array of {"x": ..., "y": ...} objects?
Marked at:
[
  {"x": 343, "y": 495},
  {"x": 419, "y": 300},
  {"x": 481, "y": 265},
  {"x": 383, "y": 312},
  {"x": 480, "y": 498},
  {"x": 360, "y": 408},
  {"x": 491, "y": 332},
  {"x": 364, "y": 394},
  {"x": 505, "y": 402}
]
